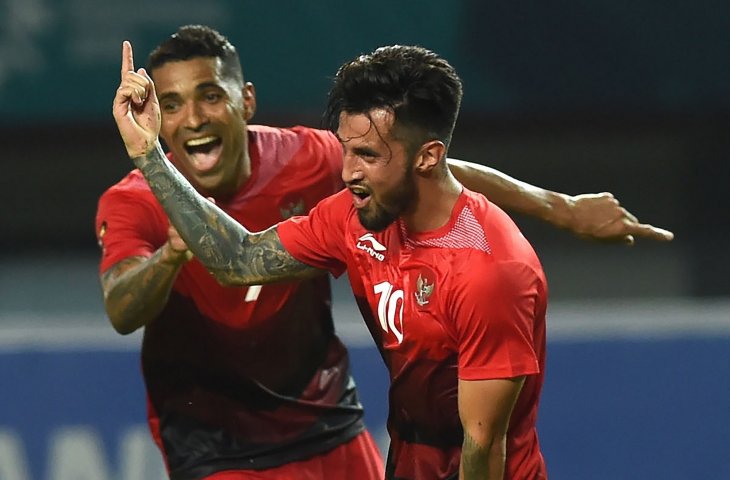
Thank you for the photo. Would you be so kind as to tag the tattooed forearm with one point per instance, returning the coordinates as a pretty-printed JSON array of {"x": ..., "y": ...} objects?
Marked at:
[
  {"x": 233, "y": 255},
  {"x": 136, "y": 290},
  {"x": 265, "y": 257}
]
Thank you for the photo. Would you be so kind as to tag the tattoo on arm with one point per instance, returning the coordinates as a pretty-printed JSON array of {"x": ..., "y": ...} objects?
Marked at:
[
  {"x": 233, "y": 254},
  {"x": 136, "y": 290},
  {"x": 117, "y": 269},
  {"x": 264, "y": 256},
  {"x": 474, "y": 459}
]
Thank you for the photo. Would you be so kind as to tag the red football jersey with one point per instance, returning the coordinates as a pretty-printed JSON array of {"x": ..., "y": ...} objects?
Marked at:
[
  {"x": 241, "y": 378},
  {"x": 466, "y": 301}
]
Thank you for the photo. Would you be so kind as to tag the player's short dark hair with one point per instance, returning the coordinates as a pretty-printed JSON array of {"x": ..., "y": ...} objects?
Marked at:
[
  {"x": 422, "y": 89},
  {"x": 194, "y": 41}
]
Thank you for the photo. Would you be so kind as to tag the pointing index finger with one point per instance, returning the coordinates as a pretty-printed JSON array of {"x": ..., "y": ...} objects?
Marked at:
[
  {"x": 653, "y": 233},
  {"x": 127, "y": 57}
]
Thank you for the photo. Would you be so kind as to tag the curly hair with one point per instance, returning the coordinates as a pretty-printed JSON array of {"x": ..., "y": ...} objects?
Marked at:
[{"x": 422, "y": 90}]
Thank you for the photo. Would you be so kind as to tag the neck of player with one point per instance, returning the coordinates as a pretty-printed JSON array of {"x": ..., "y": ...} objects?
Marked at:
[{"x": 436, "y": 197}]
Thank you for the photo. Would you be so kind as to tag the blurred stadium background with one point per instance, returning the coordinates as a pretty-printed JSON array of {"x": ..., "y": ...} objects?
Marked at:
[{"x": 630, "y": 97}]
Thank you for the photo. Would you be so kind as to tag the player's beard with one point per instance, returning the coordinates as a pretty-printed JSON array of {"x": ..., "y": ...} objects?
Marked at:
[{"x": 389, "y": 205}]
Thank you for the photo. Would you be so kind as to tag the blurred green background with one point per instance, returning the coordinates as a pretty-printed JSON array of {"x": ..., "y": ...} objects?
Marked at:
[{"x": 631, "y": 97}]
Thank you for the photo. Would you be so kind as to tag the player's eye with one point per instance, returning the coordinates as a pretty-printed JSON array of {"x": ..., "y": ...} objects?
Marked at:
[
  {"x": 212, "y": 97},
  {"x": 170, "y": 107},
  {"x": 367, "y": 155}
]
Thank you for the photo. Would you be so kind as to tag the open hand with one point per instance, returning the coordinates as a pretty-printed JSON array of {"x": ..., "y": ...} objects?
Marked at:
[{"x": 136, "y": 109}]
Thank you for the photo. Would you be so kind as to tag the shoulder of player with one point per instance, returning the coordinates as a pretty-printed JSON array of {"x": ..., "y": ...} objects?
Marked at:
[
  {"x": 297, "y": 131},
  {"x": 339, "y": 203},
  {"x": 318, "y": 133},
  {"x": 131, "y": 190},
  {"x": 482, "y": 208},
  {"x": 338, "y": 209},
  {"x": 132, "y": 184},
  {"x": 304, "y": 146},
  {"x": 503, "y": 236},
  {"x": 324, "y": 141}
]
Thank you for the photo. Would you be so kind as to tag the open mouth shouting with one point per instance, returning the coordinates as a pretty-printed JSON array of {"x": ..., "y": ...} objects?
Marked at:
[
  {"x": 204, "y": 152},
  {"x": 360, "y": 197}
]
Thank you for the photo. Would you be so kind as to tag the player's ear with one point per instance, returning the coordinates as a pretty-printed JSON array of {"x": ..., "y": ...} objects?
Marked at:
[
  {"x": 429, "y": 156},
  {"x": 249, "y": 101}
]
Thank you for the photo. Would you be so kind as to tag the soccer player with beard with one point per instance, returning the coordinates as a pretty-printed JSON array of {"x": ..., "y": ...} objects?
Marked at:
[{"x": 252, "y": 382}]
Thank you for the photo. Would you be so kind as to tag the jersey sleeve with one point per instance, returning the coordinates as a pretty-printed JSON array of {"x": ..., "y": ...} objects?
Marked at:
[
  {"x": 495, "y": 311},
  {"x": 317, "y": 239},
  {"x": 127, "y": 225}
]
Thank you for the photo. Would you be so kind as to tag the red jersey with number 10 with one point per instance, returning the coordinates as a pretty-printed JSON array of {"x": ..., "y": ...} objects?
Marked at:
[{"x": 466, "y": 301}]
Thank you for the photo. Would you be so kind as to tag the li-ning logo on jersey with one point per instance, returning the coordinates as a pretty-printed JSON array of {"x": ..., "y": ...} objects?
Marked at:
[{"x": 367, "y": 243}]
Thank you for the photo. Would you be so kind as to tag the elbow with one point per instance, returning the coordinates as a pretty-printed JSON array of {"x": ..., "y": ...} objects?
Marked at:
[
  {"x": 121, "y": 326},
  {"x": 483, "y": 452},
  {"x": 124, "y": 322},
  {"x": 487, "y": 442},
  {"x": 486, "y": 439}
]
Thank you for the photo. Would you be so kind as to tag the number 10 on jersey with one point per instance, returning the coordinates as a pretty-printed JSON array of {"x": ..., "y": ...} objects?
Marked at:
[{"x": 390, "y": 302}]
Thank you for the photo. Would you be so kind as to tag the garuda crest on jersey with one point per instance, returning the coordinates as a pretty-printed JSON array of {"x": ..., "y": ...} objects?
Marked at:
[{"x": 424, "y": 289}]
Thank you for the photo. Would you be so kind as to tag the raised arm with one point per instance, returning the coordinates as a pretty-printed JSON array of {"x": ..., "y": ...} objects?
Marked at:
[
  {"x": 596, "y": 216},
  {"x": 231, "y": 253}
]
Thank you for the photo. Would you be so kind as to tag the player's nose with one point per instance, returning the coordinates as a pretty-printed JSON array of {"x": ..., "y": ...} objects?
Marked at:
[{"x": 351, "y": 169}]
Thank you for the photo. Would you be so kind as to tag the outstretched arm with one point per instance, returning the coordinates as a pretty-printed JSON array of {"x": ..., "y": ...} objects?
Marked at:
[
  {"x": 597, "y": 216},
  {"x": 233, "y": 255}
]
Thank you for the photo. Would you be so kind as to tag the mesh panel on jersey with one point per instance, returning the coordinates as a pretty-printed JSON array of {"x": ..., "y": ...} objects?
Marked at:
[{"x": 466, "y": 233}]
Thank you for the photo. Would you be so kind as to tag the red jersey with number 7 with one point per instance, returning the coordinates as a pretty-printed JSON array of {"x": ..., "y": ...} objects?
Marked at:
[
  {"x": 246, "y": 378},
  {"x": 466, "y": 301}
]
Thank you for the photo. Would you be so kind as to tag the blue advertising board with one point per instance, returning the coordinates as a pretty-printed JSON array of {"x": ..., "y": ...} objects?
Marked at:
[{"x": 614, "y": 407}]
